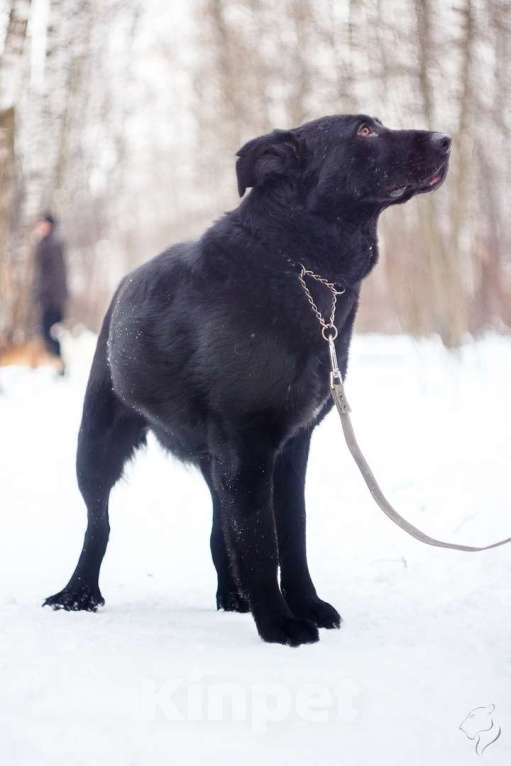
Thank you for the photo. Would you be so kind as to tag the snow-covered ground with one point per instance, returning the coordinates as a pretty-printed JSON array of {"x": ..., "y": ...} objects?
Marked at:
[{"x": 159, "y": 677}]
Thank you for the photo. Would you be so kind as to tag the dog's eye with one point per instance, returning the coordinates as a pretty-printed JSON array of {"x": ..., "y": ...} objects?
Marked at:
[{"x": 366, "y": 131}]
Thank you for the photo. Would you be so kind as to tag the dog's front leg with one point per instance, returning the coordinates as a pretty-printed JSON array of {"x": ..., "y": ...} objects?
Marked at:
[
  {"x": 243, "y": 476},
  {"x": 289, "y": 503}
]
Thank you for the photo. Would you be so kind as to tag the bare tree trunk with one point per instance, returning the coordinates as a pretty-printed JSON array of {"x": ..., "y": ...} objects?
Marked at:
[
  {"x": 7, "y": 185},
  {"x": 261, "y": 69},
  {"x": 492, "y": 297},
  {"x": 300, "y": 75},
  {"x": 442, "y": 296},
  {"x": 11, "y": 73},
  {"x": 425, "y": 51},
  {"x": 11, "y": 61},
  {"x": 458, "y": 263},
  {"x": 229, "y": 75},
  {"x": 339, "y": 35},
  {"x": 433, "y": 292}
]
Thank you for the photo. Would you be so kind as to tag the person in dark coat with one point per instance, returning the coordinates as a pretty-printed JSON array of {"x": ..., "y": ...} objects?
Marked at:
[{"x": 50, "y": 281}]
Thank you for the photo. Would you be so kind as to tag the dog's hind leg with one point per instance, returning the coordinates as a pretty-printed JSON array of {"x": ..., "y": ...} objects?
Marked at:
[
  {"x": 289, "y": 502},
  {"x": 109, "y": 434},
  {"x": 228, "y": 594}
]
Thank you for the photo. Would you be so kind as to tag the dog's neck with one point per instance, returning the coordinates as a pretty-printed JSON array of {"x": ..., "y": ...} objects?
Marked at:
[{"x": 342, "y": 248}]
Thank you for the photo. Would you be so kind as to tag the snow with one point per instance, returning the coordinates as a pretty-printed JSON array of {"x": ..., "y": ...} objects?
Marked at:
[{"x": 159, "y": 677}]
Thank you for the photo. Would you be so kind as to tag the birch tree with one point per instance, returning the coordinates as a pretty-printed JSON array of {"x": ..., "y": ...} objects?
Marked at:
[{"x": 12, "y": 68}]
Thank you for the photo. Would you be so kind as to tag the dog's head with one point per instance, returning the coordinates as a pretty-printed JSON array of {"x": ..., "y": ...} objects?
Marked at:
[{"x": 346, "y": 159}]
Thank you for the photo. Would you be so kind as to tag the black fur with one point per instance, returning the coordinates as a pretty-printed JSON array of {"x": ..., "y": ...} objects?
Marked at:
[{"x": 213, "y": 346}]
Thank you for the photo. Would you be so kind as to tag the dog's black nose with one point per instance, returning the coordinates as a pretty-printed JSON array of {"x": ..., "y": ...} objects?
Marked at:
[{"x": 441, "y": 141}]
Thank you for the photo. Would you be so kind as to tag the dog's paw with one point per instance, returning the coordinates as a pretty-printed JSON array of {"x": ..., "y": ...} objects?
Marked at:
[
  {"x": 292, "y": 631},
  {"x": 232, "y": 602},
  {"x": 83, "y": 600},
  {"x": 321, "y": 613}
]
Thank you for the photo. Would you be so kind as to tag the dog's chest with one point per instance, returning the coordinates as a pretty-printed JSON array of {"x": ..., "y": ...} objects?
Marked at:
[{"x": 308, "y": 394}]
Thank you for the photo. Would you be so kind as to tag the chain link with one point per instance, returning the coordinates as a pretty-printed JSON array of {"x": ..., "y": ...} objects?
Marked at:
[{"x": 328, "y": 328}]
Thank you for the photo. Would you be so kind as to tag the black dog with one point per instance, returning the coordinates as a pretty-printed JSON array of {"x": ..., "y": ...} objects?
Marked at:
[{"x": 214, "y": 347}]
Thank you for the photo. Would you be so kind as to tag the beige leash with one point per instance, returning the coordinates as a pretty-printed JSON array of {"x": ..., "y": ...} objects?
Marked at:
[
  {"x": 343, "y": 408},
  {"x": 329, "y": 333}
]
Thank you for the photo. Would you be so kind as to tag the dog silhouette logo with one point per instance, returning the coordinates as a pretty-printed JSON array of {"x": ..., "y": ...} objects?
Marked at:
[{"x": 479, "y": 727}]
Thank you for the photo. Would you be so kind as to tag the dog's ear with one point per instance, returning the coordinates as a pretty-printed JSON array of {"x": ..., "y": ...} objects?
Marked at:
[{"x": 274, "y": 154}]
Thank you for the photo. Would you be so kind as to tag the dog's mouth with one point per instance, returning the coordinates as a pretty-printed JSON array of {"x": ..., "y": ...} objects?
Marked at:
[{"x": 430, "y": 183}]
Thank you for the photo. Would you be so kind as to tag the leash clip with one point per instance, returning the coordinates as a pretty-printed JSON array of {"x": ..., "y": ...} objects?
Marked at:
[
  {"x": 336, "y": 384},
  {"x": 338, "y": 394}
]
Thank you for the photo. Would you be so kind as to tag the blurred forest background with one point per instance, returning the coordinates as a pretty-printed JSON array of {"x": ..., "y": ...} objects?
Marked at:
[{"x": 124, "y": 116}]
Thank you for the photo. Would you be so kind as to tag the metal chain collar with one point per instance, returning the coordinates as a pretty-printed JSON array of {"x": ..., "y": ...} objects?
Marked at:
[{"x": 328, "y": 328}]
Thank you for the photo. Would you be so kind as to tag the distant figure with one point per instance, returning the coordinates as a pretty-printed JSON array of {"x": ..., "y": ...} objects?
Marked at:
[{"x": 51, "y": 282}]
